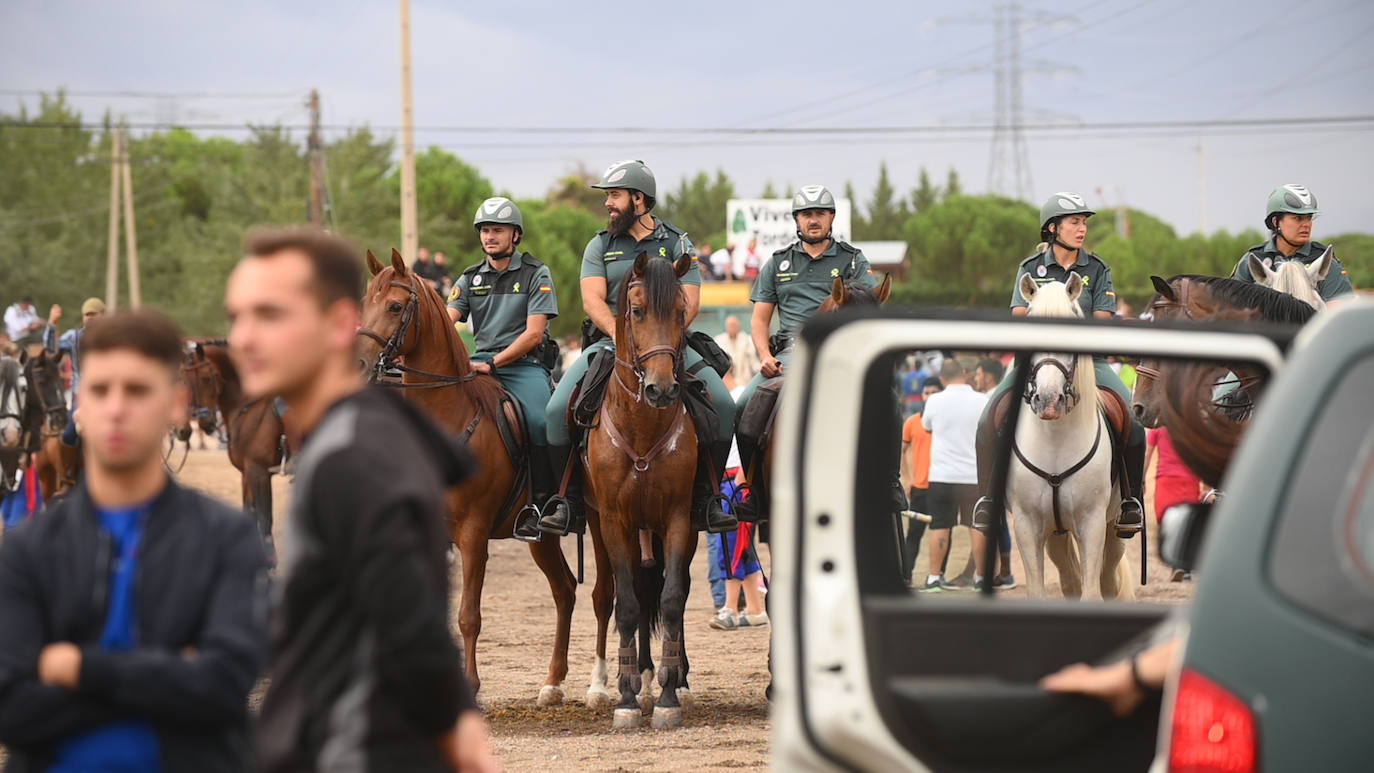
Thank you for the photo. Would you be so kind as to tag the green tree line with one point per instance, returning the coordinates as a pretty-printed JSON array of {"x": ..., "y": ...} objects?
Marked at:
[{"x": 195, "y": 196}]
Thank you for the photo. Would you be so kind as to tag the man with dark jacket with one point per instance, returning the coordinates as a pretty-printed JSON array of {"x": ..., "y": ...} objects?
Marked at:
[
  {"x": 133, "y": 613},
  {"x": 366, "y": 676}
]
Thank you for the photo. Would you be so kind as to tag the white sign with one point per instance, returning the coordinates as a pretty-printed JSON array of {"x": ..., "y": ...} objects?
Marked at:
[{"x": 769, "y": 221}]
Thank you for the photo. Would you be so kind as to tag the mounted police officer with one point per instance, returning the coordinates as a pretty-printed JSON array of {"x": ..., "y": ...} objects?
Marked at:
[
  {"x": 1064, "y": 228},
  {"x": 510, "y": 298},
  {"x": 609, "y": 256},
  {"x": 69, "y": 343},
  {"x": 793, "y": 283},
  {"x": 1288, "y": 216}
]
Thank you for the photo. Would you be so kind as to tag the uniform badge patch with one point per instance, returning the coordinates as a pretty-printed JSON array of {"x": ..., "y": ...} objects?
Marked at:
[
  {"x": 663, "y": 252},
  {"x": 783, "y": 266},
  {"x": 545, "y": 289},
  {"x": 454, "y": 293},
  {"x": 834, "y": 272},
  {"x": 1268, "y": 262},
  {"x": 1040, "y": 271},
  {"x": 516, "y": 287},
  {"x": 477, "y": 280}
]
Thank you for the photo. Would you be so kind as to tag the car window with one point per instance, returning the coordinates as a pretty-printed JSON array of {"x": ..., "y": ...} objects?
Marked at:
[{"x": 1323, "y": 555}]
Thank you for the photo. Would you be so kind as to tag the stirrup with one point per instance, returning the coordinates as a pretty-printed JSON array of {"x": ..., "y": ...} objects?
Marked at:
[
  {"x": 982, "y": 514},
  {"x": 1128, "y": 529},
  {"x": 526, "y": 527},
  {"x": 721, "y": 526}
]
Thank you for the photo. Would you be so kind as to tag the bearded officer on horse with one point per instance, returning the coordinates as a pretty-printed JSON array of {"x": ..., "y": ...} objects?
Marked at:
[
  {"x": 630, "y": 196},
  {"x": 509, "y": 297}
]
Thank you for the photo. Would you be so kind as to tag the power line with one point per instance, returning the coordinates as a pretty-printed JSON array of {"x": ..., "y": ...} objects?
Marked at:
[
  {"x": 733, "y": 130},
  {"x": 154, "y": 94}
]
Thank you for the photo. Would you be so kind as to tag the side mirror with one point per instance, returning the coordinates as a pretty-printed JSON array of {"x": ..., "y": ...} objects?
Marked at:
[{"x": 1181, "y": 534}]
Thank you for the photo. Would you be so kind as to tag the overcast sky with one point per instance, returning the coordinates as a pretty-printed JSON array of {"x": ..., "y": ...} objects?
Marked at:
[{"x": 800, "y": 64}]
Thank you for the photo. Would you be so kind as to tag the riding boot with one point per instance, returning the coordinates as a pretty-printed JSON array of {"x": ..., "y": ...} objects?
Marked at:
[
  {"x": 746, "y": 510},
  {"x": 564, "y": 513},
  {"x": 542, "y": 487},
  {"x": 1132, "y": 518},
  {"x": 982, "y": 509},
  {"x": 707, "y": 510}
]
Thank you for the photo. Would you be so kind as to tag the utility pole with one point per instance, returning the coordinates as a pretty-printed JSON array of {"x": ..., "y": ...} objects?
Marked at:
[
  {"x": 1202, "y": 186},
  {"x": 130, "y": 233},
  {"x": 410, "y": 239},
  {"x": 112, "y": 257},
  {"x": 316, "y": 147}
]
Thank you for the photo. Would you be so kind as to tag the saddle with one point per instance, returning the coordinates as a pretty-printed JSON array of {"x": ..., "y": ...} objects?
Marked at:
[
  {"x": 510, "y": 423},
  {"x": 591, "y": 393},
  {"x": 756, "y": 420}
]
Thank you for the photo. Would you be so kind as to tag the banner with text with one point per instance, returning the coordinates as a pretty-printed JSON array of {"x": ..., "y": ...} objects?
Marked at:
[{"x": 770, "y": 222}]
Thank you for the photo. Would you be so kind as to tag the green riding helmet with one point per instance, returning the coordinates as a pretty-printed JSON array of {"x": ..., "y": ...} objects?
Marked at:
[
  {"x": 813, "y": 197},
  {"x": 631, "y": 175},
  {"x": 1061, "y": 204},
  {"x": 498, "y": 210},
  {"x": 1291, "y": 199}
]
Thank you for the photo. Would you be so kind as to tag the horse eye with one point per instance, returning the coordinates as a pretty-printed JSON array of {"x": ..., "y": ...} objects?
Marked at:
[
  {"x": 394, "y": 308},
  {"x": 638, "y": 312}
]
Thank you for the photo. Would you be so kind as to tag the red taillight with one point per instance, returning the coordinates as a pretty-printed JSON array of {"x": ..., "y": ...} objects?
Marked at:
[{"x": 1213, "y": 730}]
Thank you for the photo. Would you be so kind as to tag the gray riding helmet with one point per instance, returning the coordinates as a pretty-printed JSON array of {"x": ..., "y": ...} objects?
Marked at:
[
  {"x": 813, "y": 197},
  {"x": 498, "y": 210},
  {"x": 1293, "y": 199},
  {"x": 1062, "y": 204},
  {"x": 630, "y": 175}
]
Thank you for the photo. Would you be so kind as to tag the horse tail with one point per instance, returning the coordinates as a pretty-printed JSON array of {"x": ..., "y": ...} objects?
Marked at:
[
  {"x": 1125, "y": 590},
  {"x": 651, "y": 587},
  {"x": 1203, "y": 436}
]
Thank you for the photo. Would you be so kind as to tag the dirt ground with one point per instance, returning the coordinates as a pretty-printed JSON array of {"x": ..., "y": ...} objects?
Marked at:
[{"x": 727, "y": 730}]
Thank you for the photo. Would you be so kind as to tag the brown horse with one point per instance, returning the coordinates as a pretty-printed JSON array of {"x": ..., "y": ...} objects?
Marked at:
[
  {"x": 1205, "y": 428},
  {"x": 404, "y": 317},
  {"x": 45, "y": 418},
  {"x": 641, "y": 460},
  {"x": 253, "y": 426}
]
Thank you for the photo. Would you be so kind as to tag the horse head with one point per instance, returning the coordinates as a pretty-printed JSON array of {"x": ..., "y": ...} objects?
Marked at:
[
  {"x": 204, "y": 384},
  {"x": 391, "y": 307},
  {"x": 1293, "y": 278},
  {"x": 13, "y": 390},
  {"x": 1056, "y": 381},
  {"x": 43, "y": 373},
  {"x": 855, "y": 294},
  {"x": 653, "y": 325}
]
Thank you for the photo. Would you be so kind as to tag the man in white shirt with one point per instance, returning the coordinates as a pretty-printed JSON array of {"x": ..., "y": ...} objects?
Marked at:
[
  {"x": 722, "y": 263},
  {"x": 23, "y": 323},
  {"x": 744, "y": 358},
  {"x": 951, "y": 418}
]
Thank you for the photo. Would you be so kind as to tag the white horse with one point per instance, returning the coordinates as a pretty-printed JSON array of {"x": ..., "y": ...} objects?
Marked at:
[
  {"x": 12, "y": 393},
  {"x": 1061, "y": 432},
  {"x": 1294, "y": 278}
]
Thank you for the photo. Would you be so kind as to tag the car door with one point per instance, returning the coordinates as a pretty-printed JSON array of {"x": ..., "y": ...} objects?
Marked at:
[{"x": 869, "y": 676}]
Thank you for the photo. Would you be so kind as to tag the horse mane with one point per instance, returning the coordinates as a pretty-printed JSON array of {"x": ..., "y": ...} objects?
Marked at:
[
  {"x": 485, "y": 391},
  {"x": 661, "y": 286},
  {"x": 1273, "y": 306}
]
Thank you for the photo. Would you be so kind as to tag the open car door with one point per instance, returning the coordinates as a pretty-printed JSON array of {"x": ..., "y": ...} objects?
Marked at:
[{"x": 869, "y": 675}]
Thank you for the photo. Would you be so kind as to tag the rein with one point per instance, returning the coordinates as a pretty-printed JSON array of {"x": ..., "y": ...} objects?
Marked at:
[
  {"x": 37, "y": 381},
  {"x": 202, "y": 410},
  {"x": 638, "y": 358},
  {"x": 387, "y": 360},
  {"x": 636, "y": 366}
]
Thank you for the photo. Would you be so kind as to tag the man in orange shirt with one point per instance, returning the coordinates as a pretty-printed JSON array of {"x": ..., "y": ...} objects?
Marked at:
[{"x": 916, "y": 474}]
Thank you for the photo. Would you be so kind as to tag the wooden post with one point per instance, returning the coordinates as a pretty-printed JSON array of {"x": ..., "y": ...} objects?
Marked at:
[
  {"x": 130, "y": 236},
  {"x": 112, "y": 257},
  {"x": 410, "y": 238},
  {"x": 316, "y": 162}
]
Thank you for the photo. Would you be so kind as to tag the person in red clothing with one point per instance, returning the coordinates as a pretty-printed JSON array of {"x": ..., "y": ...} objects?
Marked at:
[{"x": 1175, "y": 484}]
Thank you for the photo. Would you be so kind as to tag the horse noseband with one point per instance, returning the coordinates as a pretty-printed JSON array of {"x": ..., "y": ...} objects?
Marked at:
[
  {"x": 390, "y": 346},
  {"x": 1070, "y": 394}
]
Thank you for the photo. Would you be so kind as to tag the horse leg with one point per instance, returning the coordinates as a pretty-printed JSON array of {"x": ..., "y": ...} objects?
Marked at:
[
  {"x": 622, "y": 546},
  {"x": 603, "y": 602},
  {"x": 472, "y": 544},
  {"x": 678, "y": 548},
  {"x": 649, "y": 591},
  {"x": 257, "y": 497},
  {"x": 1116, "y": 569},
  {"x": 548, "y": 556},
  {"x": 1060, "y": 549},
  {"x": 1030, "y": 539},
  {"x": 1091, "y": 532}
]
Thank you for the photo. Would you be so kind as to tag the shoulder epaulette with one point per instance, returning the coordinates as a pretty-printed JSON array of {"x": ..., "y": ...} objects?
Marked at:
[
  {"x": 474, "y": 268},
  {"x": 784, "y": 250}
]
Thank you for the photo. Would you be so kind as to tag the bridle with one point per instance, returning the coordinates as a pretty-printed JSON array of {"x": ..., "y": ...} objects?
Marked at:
[
  {"x": 202, "y": 410},
  {"x": 391, "y": 348},
  {"x": 10, "y": 390},
  {"x": 1070, "y": 394},
  {"x": 638, "y": 358},
  {"x": 38, "y": 380}
]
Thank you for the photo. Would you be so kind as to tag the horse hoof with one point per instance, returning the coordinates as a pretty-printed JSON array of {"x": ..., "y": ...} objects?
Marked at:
[
  {"x": 666, "y": 718},
  {"x": 686, "y": 698},
  {"x": 626, "y": 719},
  {"x": 646, "y": 702},
  {"x": 598, "y": 700},
  {"x": 550, "y": 695}
]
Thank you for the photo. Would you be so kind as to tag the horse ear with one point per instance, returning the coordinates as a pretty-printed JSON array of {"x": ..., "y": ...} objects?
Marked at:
[
  {"x": 1162, "y": 287},
  {"x": 1320, "y": 267},
  {"x": 884, "y": 289},
  {"x": 683, "y": 265},
  {"x": 1258, "y": 271},
  {"x": 200, "y": 348},
  {"x": 373, "y": 265},
  {"x": 1028, "y": 287},
  {"x": 1075, "y": 285},
  {"x": 398, "y": 262},
  {"x": 641, "y": 263},
  {"x": 838, "y": 291}
]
